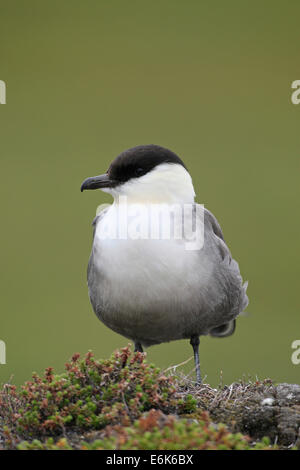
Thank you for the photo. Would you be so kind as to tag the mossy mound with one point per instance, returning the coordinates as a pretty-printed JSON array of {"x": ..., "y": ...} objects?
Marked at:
[
  {"x": 90, "y": 395},
  {"x": 156, "y": 431},
  {"x": 125, "y": 403}
]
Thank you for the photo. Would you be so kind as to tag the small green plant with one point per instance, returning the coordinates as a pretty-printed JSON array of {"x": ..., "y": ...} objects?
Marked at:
[{"x": 49, "y": 444}]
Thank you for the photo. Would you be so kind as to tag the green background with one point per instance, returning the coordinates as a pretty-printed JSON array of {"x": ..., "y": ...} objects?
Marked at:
[{"x": 85, "y": 80}]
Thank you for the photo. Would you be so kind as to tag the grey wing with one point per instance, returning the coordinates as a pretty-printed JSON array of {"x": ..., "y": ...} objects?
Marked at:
[
  {"x": 229, "y": 286},
  {"x": 95, "y": 221}
]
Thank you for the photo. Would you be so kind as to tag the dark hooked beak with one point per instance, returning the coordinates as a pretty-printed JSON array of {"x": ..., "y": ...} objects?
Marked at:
[{"x": 98, "y": 182}]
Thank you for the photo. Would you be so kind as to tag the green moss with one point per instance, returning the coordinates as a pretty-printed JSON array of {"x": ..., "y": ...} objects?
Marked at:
[
  {"x": 49, "y": 444},
  {"x": 156, "y": 431}
]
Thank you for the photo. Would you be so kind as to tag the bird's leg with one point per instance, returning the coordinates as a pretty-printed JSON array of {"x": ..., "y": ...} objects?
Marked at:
[
  {"x": 138, "y": 347},
  {"x": 195, "y": 341}
]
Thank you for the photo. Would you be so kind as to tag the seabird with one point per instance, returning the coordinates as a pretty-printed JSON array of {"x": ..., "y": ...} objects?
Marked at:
[{"x": 154, "y": 289}]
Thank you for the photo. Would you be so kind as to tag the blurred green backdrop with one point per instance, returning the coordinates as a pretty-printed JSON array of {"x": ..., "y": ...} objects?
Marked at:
[{"x": 86, "y": 80}]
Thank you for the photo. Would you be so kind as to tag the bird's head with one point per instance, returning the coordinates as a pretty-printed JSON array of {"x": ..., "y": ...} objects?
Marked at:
[{"x": 147, "y": 173}]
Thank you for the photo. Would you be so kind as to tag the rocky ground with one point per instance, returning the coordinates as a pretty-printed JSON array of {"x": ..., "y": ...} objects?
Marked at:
[{"x": 257, "y": 409}]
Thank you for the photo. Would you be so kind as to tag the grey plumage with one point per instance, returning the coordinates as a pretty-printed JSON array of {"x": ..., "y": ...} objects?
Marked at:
[{"x": 219, "y": 302}]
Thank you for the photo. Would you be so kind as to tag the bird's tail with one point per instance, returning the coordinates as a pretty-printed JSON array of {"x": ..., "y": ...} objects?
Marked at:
[{"x": 223, "y": 330}]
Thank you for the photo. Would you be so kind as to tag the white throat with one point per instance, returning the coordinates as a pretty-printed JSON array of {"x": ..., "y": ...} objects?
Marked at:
[{"x": 168, "y": 183}]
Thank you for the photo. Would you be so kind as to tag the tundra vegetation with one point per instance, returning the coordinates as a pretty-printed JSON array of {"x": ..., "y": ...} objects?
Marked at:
[{"x": 125, "y": 403}]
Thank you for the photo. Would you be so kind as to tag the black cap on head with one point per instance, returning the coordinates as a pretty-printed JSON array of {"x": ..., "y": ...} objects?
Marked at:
[
  {"x": 138, "y": 161},
  {"x": 132, "y": 163}
]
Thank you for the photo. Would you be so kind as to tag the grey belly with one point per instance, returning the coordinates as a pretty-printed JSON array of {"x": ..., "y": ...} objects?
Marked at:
[{"x": 153, "y": 313}]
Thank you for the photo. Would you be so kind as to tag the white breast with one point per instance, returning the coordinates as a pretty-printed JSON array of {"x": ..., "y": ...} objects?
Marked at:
[{"x": 147, "y": 284}]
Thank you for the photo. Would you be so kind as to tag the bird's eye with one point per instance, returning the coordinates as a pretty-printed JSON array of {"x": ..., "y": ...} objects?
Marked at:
[{"x": 139, "y": 171}]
